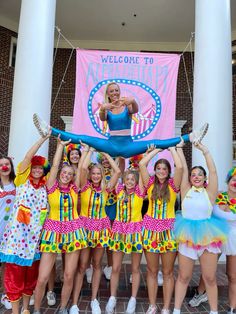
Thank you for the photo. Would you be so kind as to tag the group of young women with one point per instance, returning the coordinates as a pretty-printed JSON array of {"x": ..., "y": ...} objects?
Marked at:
[{"x": 67, "y": 211}]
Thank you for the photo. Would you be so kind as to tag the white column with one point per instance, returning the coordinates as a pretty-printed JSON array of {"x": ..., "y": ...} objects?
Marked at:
[
  {"x": 33, "y": 74},
  {"x": 213, "y": 82}
]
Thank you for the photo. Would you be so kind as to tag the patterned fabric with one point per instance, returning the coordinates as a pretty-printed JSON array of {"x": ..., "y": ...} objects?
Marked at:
[
  {"x": 127, "y": 227},
  {"x": 7, "y": 197},
  {"x": 157, "y": 231},
  {"x": 63, "y": 230},
  {"x": 93, "y": 216},
  {"x": 112, "y": 195},
  {"x": 223, "y": 199},
  {"x": 19, "y": 244}
]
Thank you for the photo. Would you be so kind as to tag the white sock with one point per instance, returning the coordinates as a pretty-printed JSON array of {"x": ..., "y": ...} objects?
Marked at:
[
  {"x": 176, "y": 311},
  {"x": 213, "y": 312}
]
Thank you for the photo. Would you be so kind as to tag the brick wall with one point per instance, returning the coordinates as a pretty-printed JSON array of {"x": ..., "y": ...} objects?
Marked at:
[
  {"x": 65, "y": 99},
  {"x": 6, "y": 87}
]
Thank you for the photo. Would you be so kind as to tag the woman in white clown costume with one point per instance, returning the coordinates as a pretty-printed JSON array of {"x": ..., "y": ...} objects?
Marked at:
[
  {"x": 19, "y": 247},
  {"x": 225, "y": 208},
  {"x": 199, "y": 234},
  {"x": 7, "y": 197}
]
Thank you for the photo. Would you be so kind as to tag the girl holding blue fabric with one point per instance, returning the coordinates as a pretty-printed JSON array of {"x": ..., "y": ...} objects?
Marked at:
[
  {"x": 158, "y": 225},
  {"x": 198, "y": 234},
  {"x": 63, "y": 230},
  {"x": 126, "y": 236},
  {"x": 118, "y": 111},
  {"x": 94, "y": 194}
]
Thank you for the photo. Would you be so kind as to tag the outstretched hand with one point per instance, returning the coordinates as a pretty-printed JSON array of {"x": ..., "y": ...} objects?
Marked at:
[
  {"x": 63, "y": 143},
  {"x": 151, "y": 147},
  {"x": 201, "y": 147},
  {"x": 46, "y": 136},
  {"x": 180, "y": 144},
  {"x": 85, "y": 146}
]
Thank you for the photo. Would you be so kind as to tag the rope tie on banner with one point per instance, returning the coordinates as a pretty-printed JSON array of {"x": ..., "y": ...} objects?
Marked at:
[
  {"x": 184, "y": 63},
  {"x": 60, "y": 35}
]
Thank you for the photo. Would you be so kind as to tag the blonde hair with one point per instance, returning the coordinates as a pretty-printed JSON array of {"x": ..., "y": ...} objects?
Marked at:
[
  {"x": 135, "y": 173},
  {"x": 106, "y": 98},
  {"x": 65, "y": 166},
  {"x": 100, "y": 167}
]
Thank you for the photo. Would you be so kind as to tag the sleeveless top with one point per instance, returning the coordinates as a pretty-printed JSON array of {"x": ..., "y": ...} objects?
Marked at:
[
  {"x": 120, "y": 121},
  {"x": 196, "y": 204}
]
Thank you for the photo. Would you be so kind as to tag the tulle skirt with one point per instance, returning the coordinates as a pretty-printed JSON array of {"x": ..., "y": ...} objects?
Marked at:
[{"x": 200, "y": 234}]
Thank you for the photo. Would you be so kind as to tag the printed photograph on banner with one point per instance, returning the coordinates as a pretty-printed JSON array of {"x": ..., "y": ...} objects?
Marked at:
[{"x": 143, "y": 122}]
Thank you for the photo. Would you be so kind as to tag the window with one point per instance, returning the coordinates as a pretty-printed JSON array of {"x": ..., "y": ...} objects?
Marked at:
[{"x": 12, "y": 57}]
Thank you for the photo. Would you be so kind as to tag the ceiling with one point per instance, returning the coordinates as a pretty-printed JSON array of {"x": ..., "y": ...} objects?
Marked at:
[{"x": 149, "y": 24}]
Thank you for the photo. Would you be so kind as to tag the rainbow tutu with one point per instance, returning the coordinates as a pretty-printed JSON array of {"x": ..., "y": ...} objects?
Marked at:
[{"x": 201, "y": 233}]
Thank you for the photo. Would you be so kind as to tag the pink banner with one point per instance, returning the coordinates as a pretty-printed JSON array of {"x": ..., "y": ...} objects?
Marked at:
[{"x": 148, "y": 77}]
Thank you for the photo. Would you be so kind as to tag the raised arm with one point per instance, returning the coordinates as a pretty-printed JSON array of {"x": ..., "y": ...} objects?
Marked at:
[
  {"x": 185, "y": 185},
  {"x": 85, "y": 165},
  {"x": 102, "y": 112},
  {"x": 178, "y": 167},
  {"x": 143, "y": 165},
  {"x": 81, "y": 161},
  {"x": 56, "y": 162},
  {"x": 31, "y": 152},
  {"x": 212, "y": 187},
  {"x": 140, "y": 183},
  {"x": 115, "y": 173},
  {"x": 121, "y": 163}
]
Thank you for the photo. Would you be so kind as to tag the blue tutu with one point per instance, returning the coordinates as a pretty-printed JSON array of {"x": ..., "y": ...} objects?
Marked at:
[{"x": 201, "y": 233}]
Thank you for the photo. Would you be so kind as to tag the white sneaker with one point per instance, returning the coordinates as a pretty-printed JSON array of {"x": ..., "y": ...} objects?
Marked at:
[
  {"x": 95, "y": 306},
  {"x": 107, "y": 272},
  {"x": 131, "y": 306},
  {"x": 31, "y": 301},
  {"x": 5, "y": 301},
  {"x": 89, "y": 274},
  {"x": 197, "y": 135},
  {"x": 51, "y": 297},
  {"x": 42, "y": 127},
  {"x": 152, "y": 309},
  {"x": 197, "y": 299},
  {"x": 23, "y": 311},
  {"x": 62, "y": 311},
  {"x": 160, "y": 278},
  {"x": 74, "y": 309},
  {"x": 111, "y": 304},
  {"x": 165, "y": 311}
]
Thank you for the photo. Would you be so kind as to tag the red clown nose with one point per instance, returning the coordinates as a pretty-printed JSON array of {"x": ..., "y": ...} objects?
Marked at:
[
  {"x": 5, "y": 168},
  {"x": 234, "y": 185}
]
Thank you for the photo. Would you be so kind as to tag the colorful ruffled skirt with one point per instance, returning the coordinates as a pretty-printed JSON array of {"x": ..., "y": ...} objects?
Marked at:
[
  {"x": 158, "y": 235},
  {"x": 126, "y": 237},
  {"x": 201, "y": 234},
  {"x": 98, "y": 231},
  {"x": 63, "y": 236}
]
